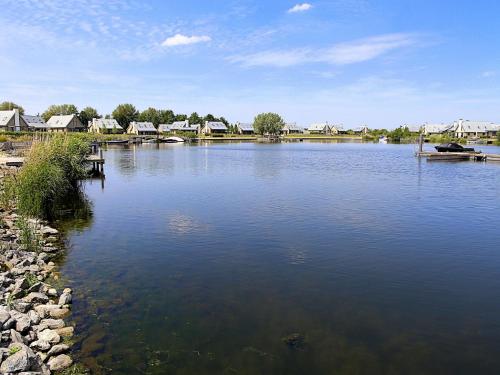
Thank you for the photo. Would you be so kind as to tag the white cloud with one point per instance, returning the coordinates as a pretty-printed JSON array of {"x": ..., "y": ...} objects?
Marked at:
[
  {"x": 488, "y": 74},
  {"x": 182, "y": 40},
  {"x": 339, "y": 54},
  {"x": 300, "y": 8}
]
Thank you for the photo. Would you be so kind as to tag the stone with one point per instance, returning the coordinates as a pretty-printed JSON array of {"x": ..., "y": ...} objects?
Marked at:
[
  {"x": 67, "y": 291},
  {"x": 9, "y": 323},
  {"x": 49, "y": 336},
  {"x": 48, "y": 231},
  {"x": 60, "y": 362},
  {"x": 21, "y": 283},
  {"x": 16, "y": 336},
  {"x": 59, "y": 313},
  {"x": 43, "y": 256},
  {"x": 21, "y": 306},
  {"x": 40, "y": 345},
  {"x": 65, "y": 331},
  {"x": 36, "y": 288},
  {"x": 52, "y": 292},
  {"x": 44, "y": 310},
  {"x": 23, "y": 323},
  {"x": 35, "y": 297},
  {"x": 34, "y": 317},
  {"x": 51, "y": 323},
  {"x": 65, "y": 299},
  {"x": 58, "y": 349},
  {"x": 4, "y": 315},
  {"x": 22, "y": 360},
  {"x": 294, "y": 341}
]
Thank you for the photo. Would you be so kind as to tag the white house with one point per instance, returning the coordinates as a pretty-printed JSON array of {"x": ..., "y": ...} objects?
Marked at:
[
  {"x": 141, "y": 128},
  {"x": 320, "y": 128},
  {"x": 104, "y": 126},
  {"x": 466, "y": 128},
  {"x": 412, "y": 128},
  {"x": 430, "y": 129},
  {"x": 35, "y": 123},
  {"x": 244, "y": 128},
  {"x": 64, "y": 123},
  {"x": 12, "y": 121},
  {"x": 292, "y": 128},
  {"x": 214, "y": 127}
]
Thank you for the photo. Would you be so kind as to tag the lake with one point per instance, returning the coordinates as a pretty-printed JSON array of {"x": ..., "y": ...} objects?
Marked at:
[{"x": 292, "y": 258}]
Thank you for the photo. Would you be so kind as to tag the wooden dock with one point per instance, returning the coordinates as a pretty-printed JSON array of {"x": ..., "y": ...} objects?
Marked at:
[
  {"x": 96, "y": 160},
  {"x": 457, "y": 156}
]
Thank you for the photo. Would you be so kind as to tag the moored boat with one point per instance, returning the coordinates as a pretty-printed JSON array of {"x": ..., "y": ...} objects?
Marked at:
[
  {"x": 452, "y": 147},
  {"x": 173, "y": 140}
]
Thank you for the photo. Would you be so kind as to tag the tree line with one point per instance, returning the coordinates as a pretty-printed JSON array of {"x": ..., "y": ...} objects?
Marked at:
[{"x": 123, "y": 114}]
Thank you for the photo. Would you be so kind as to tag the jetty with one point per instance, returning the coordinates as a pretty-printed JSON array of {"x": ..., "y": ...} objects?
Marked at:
[
  {"x": 97, "y": 161},
  {"x": 457, "y": 156}
]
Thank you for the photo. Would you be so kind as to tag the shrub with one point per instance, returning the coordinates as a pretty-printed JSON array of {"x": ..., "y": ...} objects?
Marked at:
[{"x": 28, "y": 236}]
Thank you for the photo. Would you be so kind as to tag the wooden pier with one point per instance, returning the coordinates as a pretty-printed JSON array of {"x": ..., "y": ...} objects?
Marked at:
[
  {"x": 457, "y": 156},
  {"x": 97, "y": 162}
]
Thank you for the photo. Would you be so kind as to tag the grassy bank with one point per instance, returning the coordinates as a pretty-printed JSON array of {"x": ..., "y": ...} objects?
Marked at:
[{"x": 51, "y": 173}]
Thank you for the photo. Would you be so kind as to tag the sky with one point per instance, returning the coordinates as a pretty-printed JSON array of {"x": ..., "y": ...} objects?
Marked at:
[{"x": 381, "y": 63}]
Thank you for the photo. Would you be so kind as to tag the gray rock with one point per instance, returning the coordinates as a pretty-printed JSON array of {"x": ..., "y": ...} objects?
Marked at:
[
  {"x": 16, "y": 336},
  {"x": 58, "y": 349},
  {"x": 4, "y": 315},
  {"x": 60, "y": 362},
  {"x": 52, "y": 292},
  {"x": 22, "y": 360},
  {"x": 34, "y": 317},
  {"x": 51, "y": 323},
  {"x": 9, "y": 323},
  {"x": 35, "y": 297},
  {"x": 48, "y": 231},
  {"x": 49, "y": 336},
  {"x": 21, "y": 306},
  {"x": 23, "y": 323},
  {"x": 40, "y": 345},
  {"x": 65, "y": 299}
]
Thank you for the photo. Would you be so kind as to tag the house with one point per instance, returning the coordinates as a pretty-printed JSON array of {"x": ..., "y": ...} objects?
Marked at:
[
  {"x": 320, "y": 128},
  {"x": 214, "y": 127},
  {"x": 35, "y": 123},
  {"x": 104, "y": 126},
  {"x": 466, "y": 128},
  {"x": 141, "y": 128},
  {"x": 244, "y": 128},
  {"x": 430, "y": 129},
  {"x": 361, "y": 130},
  {"x": 164, "y": 128},
  {"x": 412, "y": 128},
  {"x": 64, "y": 123},
  {"x": 12, "y": 121},
  {"x": 184, "y": 127},
  {"x": 292, "y": 128}
]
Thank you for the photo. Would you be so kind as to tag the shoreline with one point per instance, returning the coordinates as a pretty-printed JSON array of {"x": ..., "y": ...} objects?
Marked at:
[{"x": 34, "y": 336}]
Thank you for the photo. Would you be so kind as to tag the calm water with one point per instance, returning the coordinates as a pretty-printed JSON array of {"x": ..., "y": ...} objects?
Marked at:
[{"x": 201, "y": 259}]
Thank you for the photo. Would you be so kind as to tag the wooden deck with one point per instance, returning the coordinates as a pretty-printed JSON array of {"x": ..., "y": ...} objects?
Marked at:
[
  {"x": 457, "y": 156},
  {"x": 10, "y": 161}
]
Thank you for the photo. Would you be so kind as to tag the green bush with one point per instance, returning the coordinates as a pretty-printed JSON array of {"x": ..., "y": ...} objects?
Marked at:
[
  {"x": 28, "y": 237},
  {"x": 50, "y": 173}
]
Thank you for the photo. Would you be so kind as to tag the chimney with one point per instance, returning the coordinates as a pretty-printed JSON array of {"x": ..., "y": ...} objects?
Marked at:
[{"x": 17, "y": 120}]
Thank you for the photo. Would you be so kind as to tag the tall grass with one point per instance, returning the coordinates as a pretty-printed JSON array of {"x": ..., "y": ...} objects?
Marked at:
[{"x": 51, "y": 172}]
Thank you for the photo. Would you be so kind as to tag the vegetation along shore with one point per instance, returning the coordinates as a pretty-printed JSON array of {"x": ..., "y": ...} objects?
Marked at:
[{"x": 35, "y": 338}]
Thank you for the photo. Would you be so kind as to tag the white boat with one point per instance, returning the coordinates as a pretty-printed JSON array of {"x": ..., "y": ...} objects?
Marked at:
[
  {"x": 173, "y": 140},
  {"x": 382, "y": 139}
]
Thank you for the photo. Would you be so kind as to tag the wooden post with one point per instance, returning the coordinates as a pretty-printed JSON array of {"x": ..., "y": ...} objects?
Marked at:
[{"x": 421, "y": 142}]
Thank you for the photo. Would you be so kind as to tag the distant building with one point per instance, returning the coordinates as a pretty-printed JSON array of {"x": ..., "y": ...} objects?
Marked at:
[
  {"x": 320, "y": 128},
  {"x": 141, "y": 128},
  {"x": 412, "y": 128},
  {"x": 105, "y": 126},
  {"x": 64, "y": 123},
  {"x": 184, "y": 127},
  {"x": 292, "y": 128},
  {"x": 466, "y": 128},
  {"x": 430, "y": 129},
  {"x": 244, "y": 128},
  {"x": 12, "y": 121},
  {"x": 164, "y": 128},
  {"x": 361, "y": 130},
  {"x": 35, "y": 123},
  {"x": 214, "y": 127}
]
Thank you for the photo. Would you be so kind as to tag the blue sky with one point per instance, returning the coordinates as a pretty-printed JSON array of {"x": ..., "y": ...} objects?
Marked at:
[{"x": 353, "y": 62}]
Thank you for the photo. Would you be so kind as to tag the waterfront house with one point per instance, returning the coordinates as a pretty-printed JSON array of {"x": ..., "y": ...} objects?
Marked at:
[
  {"x": 467, "y": 128},
  {"x": 430, "y": 129},
  {"x": 184, "y": 127},
  {"x": 105, "y": 126},
  {"x": 141, "y": 128},
  {"x": 214, "y": 127},
  {"x": 244, "y": 128},
  {"x": 292, "y": 128},
  {"x": 35, "y": 123},
  {"x": 320, "y": 128},
  {"x": 412, "y": 128},
  {"x": 361, "y": 130},
  {"x": 164, "y": 128},
  {"x": 64, "y": 123},
  {"x": 12, "y": 121}
]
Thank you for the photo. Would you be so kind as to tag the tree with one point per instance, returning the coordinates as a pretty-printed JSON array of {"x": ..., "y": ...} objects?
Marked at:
[
  {"x": 224, "y": 121},
  {"x": 7, "y": 106},
  {"x": 195, "y": 119},
  {"x": 167, "y": 116},
  {"x": 209, "y": 118},
  {"x": 150, "y": 115},
  {"x": 124, "y": 114},
  {"x": 268, "y": 123},
  {"x": 87, "y": 114},
  {"x": 59, "y": 109},
  {"x": 180, "y": 117}
]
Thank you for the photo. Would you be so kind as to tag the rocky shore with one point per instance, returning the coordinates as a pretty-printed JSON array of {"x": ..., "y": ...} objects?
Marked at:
[{"x": 34, "y": 336}]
